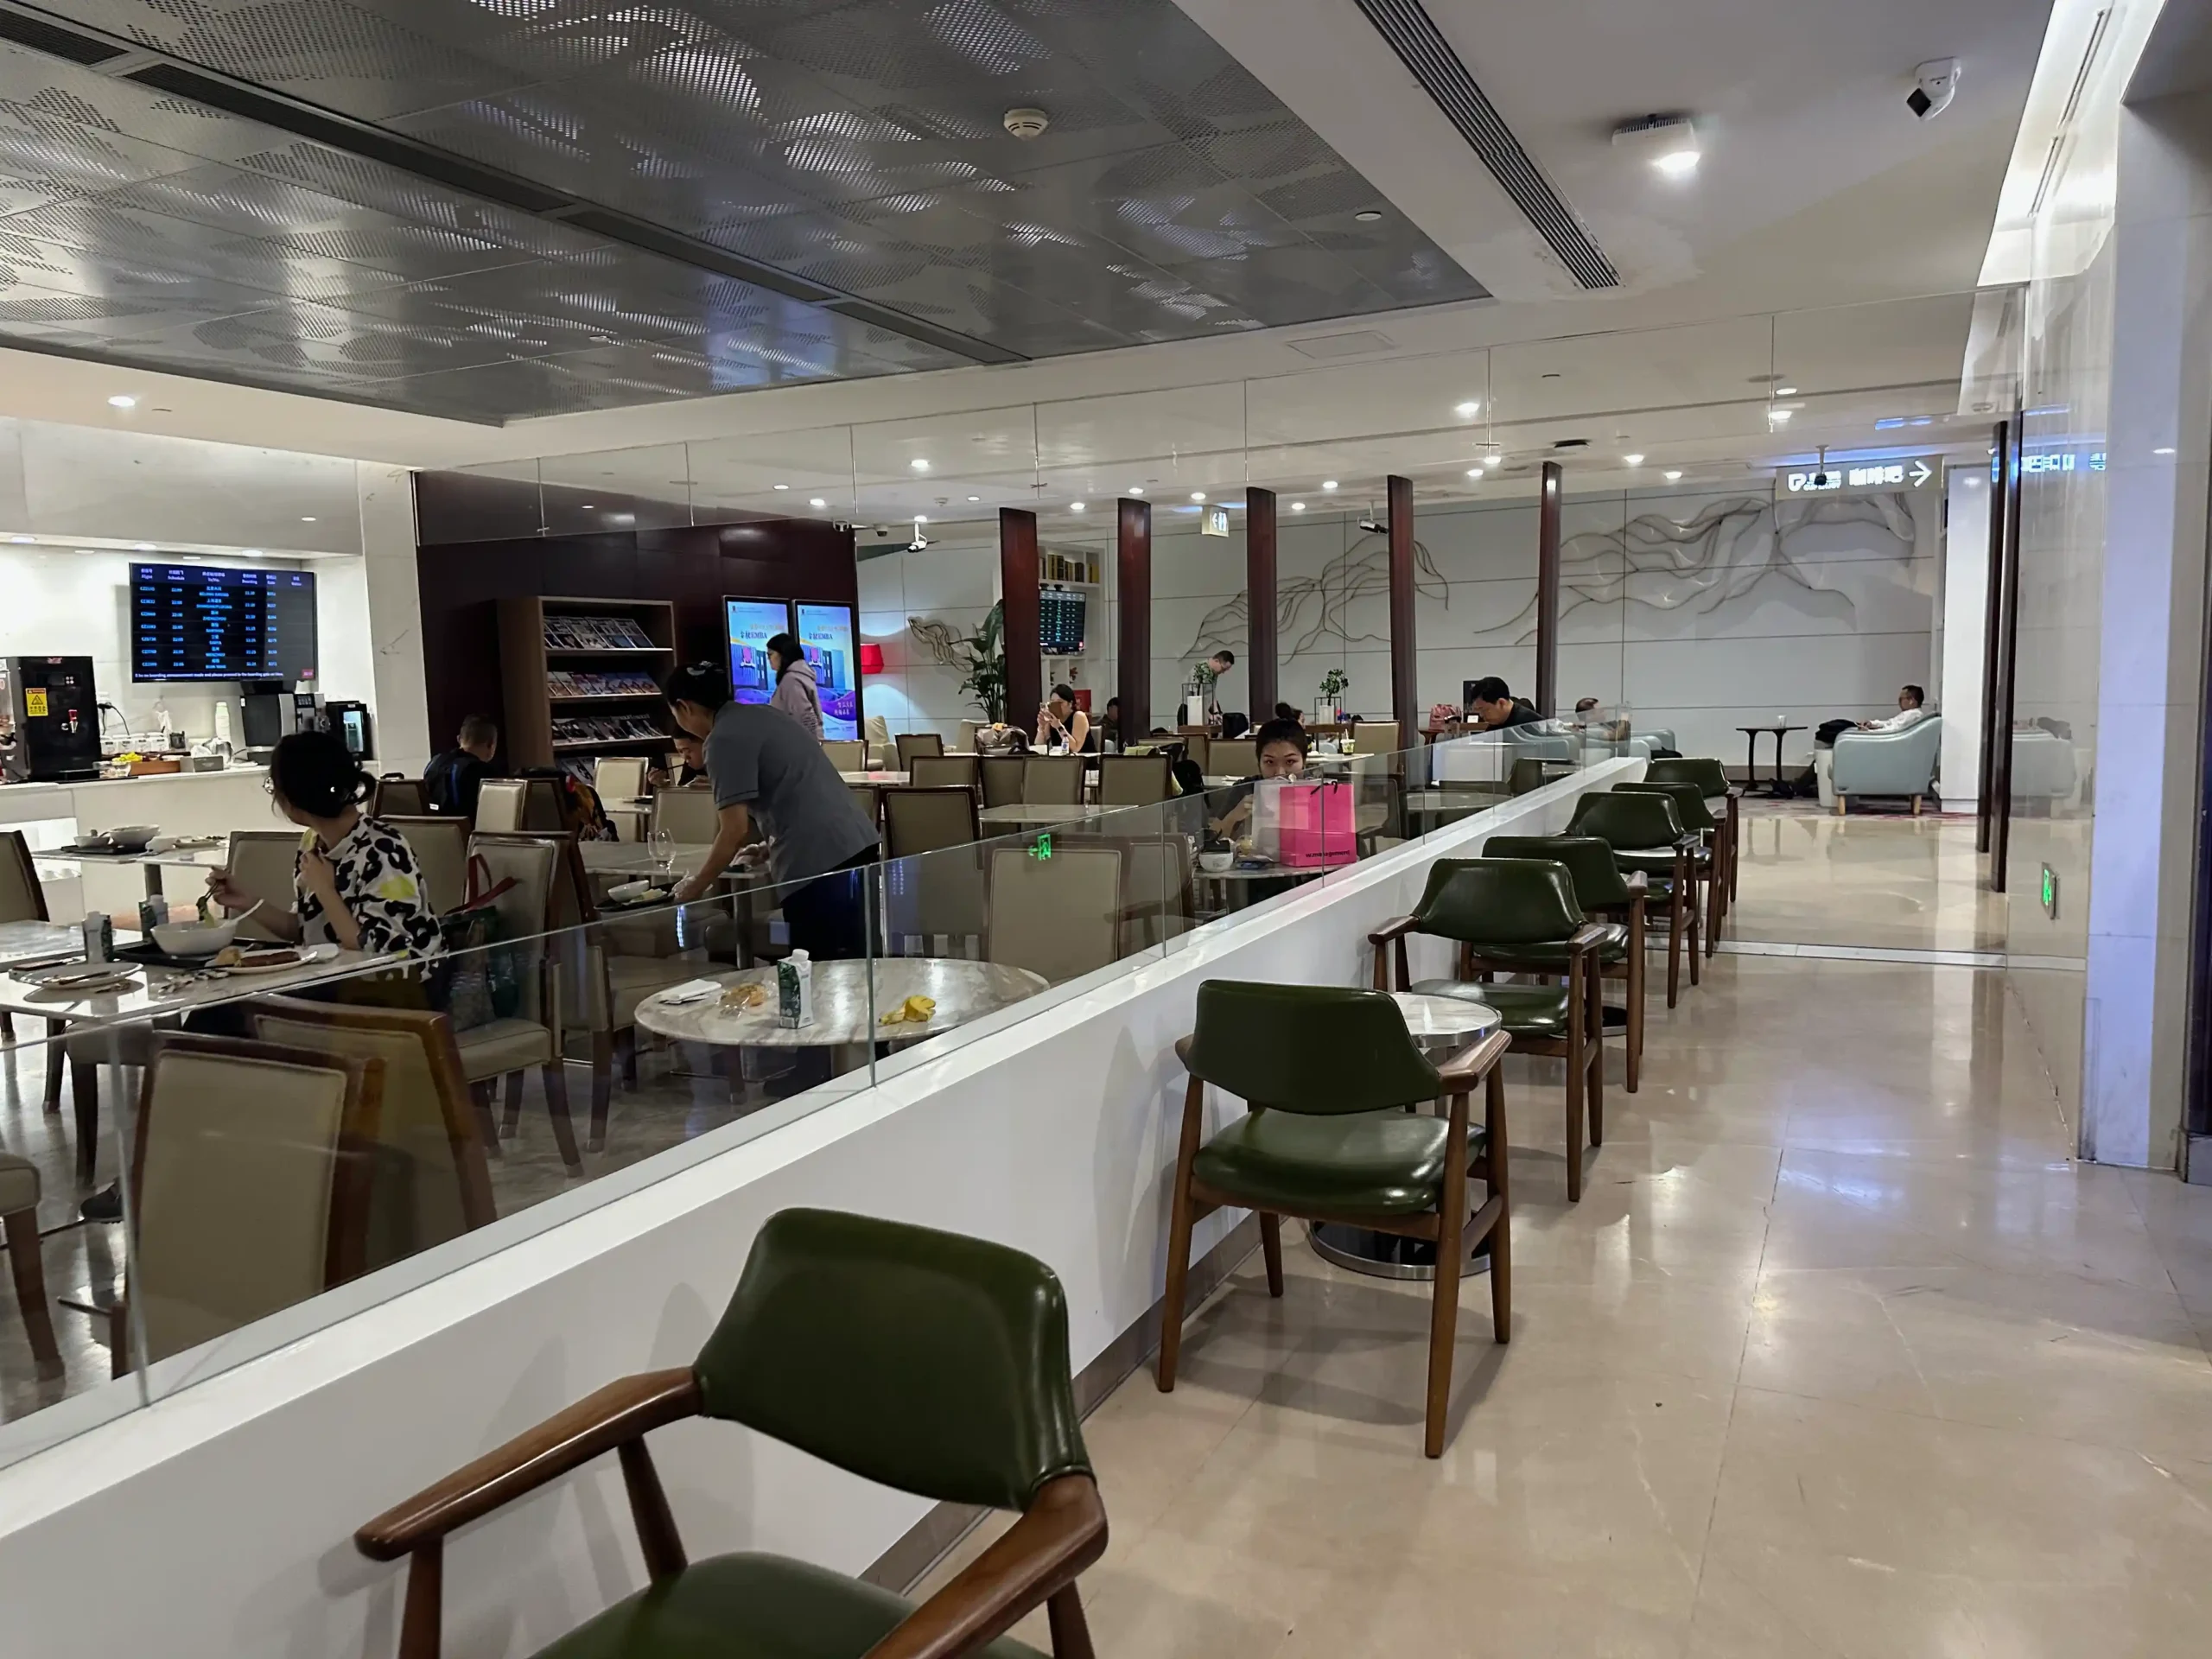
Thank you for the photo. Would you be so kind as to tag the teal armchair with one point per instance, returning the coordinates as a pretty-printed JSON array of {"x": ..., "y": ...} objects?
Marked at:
[{"x": 1888, "y": 763}]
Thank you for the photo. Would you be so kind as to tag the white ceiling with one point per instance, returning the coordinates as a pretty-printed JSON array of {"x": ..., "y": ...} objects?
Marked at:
[{"x": 1819, "y": 193}]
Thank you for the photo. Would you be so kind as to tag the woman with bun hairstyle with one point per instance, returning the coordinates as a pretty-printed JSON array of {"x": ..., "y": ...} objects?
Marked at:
[{"x": 356, "y": 883}]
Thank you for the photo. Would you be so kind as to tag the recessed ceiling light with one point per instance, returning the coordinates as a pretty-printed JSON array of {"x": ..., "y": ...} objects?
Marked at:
[
  {"x": 1785, "y": 391},
  {"x": 1197, "y": 495},
  {"x": 307, "y": 518},
  {"x": 1297, "y": 507},
  {"x": 122, "y": 401},
  {"x": 1676, "y": 163},
  {"x": 1492, "y": 460},
  {"x": 1075, "y": 507},
  {"x": 1135, "y": 489},
  {"x": 1328, "y": 483},
  {"x": 919, "y": 464},
  {"x": 780, "y": 486},
  {"x": 143, "y": 547},
  {"x": 2163, "y": 449},
  {"x": 19, "y": 540},
  {"x": 586, "y": 506},
  {"x": 1673, "y": 477},
  {"x": 921, "y": 518},
  {"x": 975, "y": 497},
  {"x": 1779, "y": 416},
  {"x": 1633, "y": 461},
  {"x": 817, "y": 502},
  {"x": 251, "y": 552},
  {"x": 1368, "y": 215},
  {"x": 1468, "y": 409},
  {"x": 1474, "y": 472}
]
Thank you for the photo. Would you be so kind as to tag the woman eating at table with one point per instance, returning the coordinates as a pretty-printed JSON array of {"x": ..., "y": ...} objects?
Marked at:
[
  {"x": 356, "y": 883},
  {"x": 1060, "y": 721},
  {"x": 1282, "y": 745}
]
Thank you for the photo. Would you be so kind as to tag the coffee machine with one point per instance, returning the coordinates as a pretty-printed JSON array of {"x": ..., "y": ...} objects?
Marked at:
[
  {"x": 272, "y": 710},
  {"x": 54, "y": 719},
  {"x": 352, "y": 721}
]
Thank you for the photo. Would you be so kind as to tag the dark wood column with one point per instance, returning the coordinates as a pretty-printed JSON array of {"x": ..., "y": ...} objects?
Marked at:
[
  {"x": 1260, "y": 600},
  {"x": 1404, "y": 683},
  {"x": 1133, "y": 603},
  {"x": 2008, "y": 661},
  {"x": 1992, "y": 636},
  {"x": 1025, "y": 647},
  {"x": 1547, "y": 694}
]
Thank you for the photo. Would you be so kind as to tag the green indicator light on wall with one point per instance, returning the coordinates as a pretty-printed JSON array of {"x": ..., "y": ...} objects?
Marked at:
[
  {"x": 1042, "y": 849},
  {"x": 2049, "y": 894}
]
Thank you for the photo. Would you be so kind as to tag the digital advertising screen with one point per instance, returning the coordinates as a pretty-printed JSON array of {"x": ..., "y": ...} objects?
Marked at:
[
  {"x": 209, "y": 622},
  {"x": 753, "y": 624},
  {"x": 825, "y": 634}
]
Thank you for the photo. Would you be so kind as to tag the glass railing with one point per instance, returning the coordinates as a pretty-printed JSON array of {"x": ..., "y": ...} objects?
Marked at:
[{"x": 270, "y": 1145}]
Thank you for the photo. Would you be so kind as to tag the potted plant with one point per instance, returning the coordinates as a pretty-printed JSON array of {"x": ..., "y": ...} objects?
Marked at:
[
  {"x": 1334, "y": 684},
  {"x": 981, "y": 658}
]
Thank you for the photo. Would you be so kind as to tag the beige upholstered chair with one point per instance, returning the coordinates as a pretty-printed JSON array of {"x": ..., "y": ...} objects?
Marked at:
[
  {"x": 1060, "y": 915},
  {"x": 938, "y": 771},
  {"x": 1237, "y": 757},
  {"x": 619, "y": 777},
  {"x": 264, "y": 864},
  {"x": 22, "y": 899},
  {"x": 1132, "y": 779},
  {"x": 1157, "y": 901},
  {"x": 1002, "y": 776},
  {"x": 531, "y": 1037},
  {"x": 911, "y": 744},
  {"x": 403, "y": 796},
  {"x": 688, "y": 815},
  {"x": 882, "y": 752},
  {"x": 431, "y": 1180},
  {"x": 968, "y": 729},
  {"x": 500, "y": 805},
  {"x": 923, "y": 820},
  {"x": 847, "y": 754},
  {"x": 440, "y": 848},
  {"x": 1053, "y": 781},
  {"x": 250, "y": 1186},
  {"x": 19, "y": 1195}
]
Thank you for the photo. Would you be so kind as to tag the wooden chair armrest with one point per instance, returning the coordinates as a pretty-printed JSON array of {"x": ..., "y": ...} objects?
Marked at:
[
  {"x": 1587, "y": 938},
  {"x": 1471, "y": 1063},
  {"x": 601, "y": 1422},
  {"x": 1397, "y": 929},
  {"x": 1639, "y": 885},
  {"x": 1183, "y": 1049},
  {"x": 1693, "y": 843},
  {"x": 1061, "y": 1533}
]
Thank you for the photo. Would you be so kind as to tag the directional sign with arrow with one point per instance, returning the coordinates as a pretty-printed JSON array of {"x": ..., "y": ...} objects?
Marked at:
[{"x": 1907, "y": 474}]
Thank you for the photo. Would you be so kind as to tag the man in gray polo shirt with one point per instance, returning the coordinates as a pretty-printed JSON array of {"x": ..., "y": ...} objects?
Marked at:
[{"x": 763, "y": 763}]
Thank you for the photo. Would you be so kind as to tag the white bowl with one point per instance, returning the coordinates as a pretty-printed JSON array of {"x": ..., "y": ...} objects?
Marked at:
[
  {"x": 1215, "y": 863},
  {"x": 131, "y": 837},
  {"x": 629, "y": 892},
  {"x": 194, "y": 939}
]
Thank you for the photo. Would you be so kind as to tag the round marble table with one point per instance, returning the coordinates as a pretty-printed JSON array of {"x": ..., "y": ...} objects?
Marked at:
[
  {"x": 844, "y": 1012},
  {"x": 1032, "y": 814},
  {"x": 1442, "y": 1026}
]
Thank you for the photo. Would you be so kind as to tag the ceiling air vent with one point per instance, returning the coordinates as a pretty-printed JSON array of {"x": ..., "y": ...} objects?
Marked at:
[
  {"x": 1358, "y": 343},
  {"x": 1415, "y": 37},
  {"x": 55, "y": 40}
]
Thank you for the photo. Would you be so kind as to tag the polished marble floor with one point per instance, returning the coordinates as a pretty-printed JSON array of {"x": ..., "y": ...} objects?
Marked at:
[
  {"x": 1841, "y": 1356},
  {"x": 1879, "y": 881}
]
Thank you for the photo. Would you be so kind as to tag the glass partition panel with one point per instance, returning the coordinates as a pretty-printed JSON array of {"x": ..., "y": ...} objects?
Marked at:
[
  {"x": 785, "y": 473},
  {"x": 647, "y": 488}
]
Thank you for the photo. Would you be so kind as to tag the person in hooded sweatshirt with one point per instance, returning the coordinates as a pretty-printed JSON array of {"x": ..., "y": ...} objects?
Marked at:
[{"x": 795, "y": 694}]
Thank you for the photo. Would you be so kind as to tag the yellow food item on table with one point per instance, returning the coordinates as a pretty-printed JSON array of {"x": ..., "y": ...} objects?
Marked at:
[
  {"x": 914, "y": 1011},
  {"x": 753, "y": 995}
]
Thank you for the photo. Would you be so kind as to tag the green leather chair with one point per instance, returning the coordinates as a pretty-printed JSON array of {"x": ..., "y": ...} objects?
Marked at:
[
  {"x": 1330, "y": 1135},
  {"x": 1711, "y": 779},
  {"x": 1712, "y": 855},
  {"x": 924, "y": 1361},
  {"x": 1602, "y": 891},
  {"x": 1646, "y": 834},
  {"x": 1518, "y": 915}
]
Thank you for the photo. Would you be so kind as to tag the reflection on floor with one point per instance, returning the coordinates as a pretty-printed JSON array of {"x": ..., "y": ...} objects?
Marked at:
[{"x": 1899, "y": 882}]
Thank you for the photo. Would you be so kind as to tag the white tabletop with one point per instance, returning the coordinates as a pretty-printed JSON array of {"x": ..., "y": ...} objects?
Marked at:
[
  {"x": 849, "y": 998},
  {"x": 1030, "y": 815},
  {"x": 162, "y": 990},
  {"x": 1451, "y": 1019},
  {"x": 40, "y": 941},
  {"x": 635, "y": 858},
  {"x": 885, "y": 779},
  {"x": 1275, "y": 871}
]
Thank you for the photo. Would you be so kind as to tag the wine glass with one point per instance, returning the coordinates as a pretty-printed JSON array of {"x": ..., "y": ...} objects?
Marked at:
[{"x": 663, "y": 843}]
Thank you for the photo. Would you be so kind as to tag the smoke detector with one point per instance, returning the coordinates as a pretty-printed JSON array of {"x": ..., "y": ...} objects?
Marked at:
[{"x": 1025, "y": 125}]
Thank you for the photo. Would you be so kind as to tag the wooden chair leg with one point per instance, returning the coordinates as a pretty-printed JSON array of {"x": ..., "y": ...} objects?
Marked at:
[
  {"x": 1714, "y": 907},
  {"x": 512, "y": 1124},
  {"x": 28, "y": 1268},
  {"x": 480, "y": 1098},
  {"x": 1501, "y": 1232},
  {"x": 1839, "y": 804},
  {"x": 1692, "y": 911},
  {"x": 1595, "y": 1022},
  {"x": 1179, "y": 1223},
  {"x": 7, "y": 1027},
  {"x": 1915, "y": 806},
  {"x": 1675, "y": 946},
  {"x": 1271, "y": 1249},
  {"x": 85, "y": 1094},
  {"x": 1735, "y": 847},
  {"x": 1071, "y": 1634},
  {"x": 1577, "y": 1073},
  {"x": 54, "y": 1030},
  {"x": 625, "y": 1055},
  {"x": 602, "y": 1085},
  {"x": 1444, "y": 1303},
  {"x": 556, "y": 1108},
  {"x": 1637, "y": 974}
]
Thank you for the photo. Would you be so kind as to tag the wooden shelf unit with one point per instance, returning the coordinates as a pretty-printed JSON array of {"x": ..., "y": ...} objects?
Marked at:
[{"x": 525, "y": 656}]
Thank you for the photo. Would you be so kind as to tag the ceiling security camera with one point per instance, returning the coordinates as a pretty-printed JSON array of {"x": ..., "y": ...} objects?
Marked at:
[{"x": 1937, "y": 85}]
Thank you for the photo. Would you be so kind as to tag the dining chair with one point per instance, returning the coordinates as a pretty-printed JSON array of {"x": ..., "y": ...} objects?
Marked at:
[
  {"x": 939, "y": 771},
  {"x": 19, "y": 1197},
  {"x": 1519, "y": 916},
  {"x": 911, "y": 744},
  {"x": 690, "y": 815},
  {"x": 619, "y": 777},
  {"x": 1132, "y": 779},
  {"x": 541, "y": 807},
  {"x": 1053, "y": 780},
  {"x": 847, "y": 754},
  {"x": 923, "y": 819},
  {"x": 1059, "y": 917},
  {"x": 431, "y": 1137},
  {"x": 1232, "y": 758},
  {"x": 402, "y": 795},
  {"x": 1330, "y": 1134},
  {"x": 969, "y": 731},
  {"x": 1711, "y": 857},
  {"x": 22, "y": 900},
  {"x": 1002, "y": 776},
  {"x": 875, "y": 730},
  {"x": 1158, "y": 900},
  {"x": 500, "y": 805},
  {"x": 1711, "y": 779},
  {"x": 937, "y": 893},
  {"x": 1197, "y": 746},
  {"x": 440, "y": 843},
  {"x": 1646, "y": 835},
  {"x": 1600, "y": 890},
  {"x": 251, "y": 1178},
  {"x": 509, "y": 1046},
  {"x": 923, "y": 1361},
  {"x": 264, "y": 864}
]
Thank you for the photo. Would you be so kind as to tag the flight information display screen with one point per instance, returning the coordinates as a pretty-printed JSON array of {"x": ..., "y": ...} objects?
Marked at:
[{"x": 209, "y": 622}]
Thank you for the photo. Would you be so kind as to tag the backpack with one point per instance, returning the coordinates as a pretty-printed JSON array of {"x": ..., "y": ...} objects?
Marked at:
[{"x": 581, "y": 816}]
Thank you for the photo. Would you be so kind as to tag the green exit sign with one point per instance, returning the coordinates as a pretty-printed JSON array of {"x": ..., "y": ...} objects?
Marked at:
[
  {"x": 1042, "y": 849},
  {"x": 2049, "y": 894}
]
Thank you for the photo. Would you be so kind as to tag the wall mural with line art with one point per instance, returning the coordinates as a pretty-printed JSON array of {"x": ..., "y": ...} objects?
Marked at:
[{"x": 1312, "y": 609}]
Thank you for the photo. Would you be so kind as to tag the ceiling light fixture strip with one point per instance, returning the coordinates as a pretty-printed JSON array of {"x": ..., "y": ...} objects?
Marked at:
[
  {"x": 1420, "y": 46},
  {"x": 2053, "y": 157},
  {"x": 28, "y": 27}
]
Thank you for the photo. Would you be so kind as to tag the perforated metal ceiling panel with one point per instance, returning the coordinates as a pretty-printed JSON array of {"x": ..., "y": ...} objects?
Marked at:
[{"x": 854, "y": 146}]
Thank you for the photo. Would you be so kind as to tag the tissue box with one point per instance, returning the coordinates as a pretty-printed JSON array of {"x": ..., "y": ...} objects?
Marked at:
[{"x": 1302, "y": 824}]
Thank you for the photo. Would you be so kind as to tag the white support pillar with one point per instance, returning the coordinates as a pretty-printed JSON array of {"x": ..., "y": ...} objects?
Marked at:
[
  {"x": 400, "y": 700},
  {"x": 1964, "y": 629}
]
